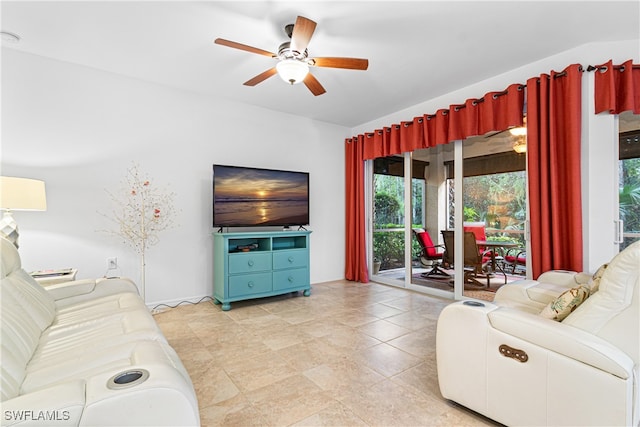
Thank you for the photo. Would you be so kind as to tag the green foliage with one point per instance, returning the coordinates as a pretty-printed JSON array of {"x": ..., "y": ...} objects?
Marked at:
[
  {"x": 498, "y": 238},
  {"x": 386, "y": 208},
  {"x": 388, "y": 248},
  {"x": 470, "y": 214},
  {"x": 630, "y": 197},
  {"x": 498, "y": 199},
  {"x": 389, "y": 199}
]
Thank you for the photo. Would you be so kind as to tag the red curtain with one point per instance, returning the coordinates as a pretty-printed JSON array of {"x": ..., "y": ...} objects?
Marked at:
[
  {"x": 355, "y": 248},
  {"x": 553, "y": 153},
  {"x": 495, "y": 111},
  {"x": 617, "y": 88}
]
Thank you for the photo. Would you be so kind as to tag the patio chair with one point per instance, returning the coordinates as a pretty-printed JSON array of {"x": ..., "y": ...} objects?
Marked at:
[
  {"x": 514, "y": 258},
  {"x": 478, "y": 230},
  {"x": 429, "y": 255},
  {"x": 474, "y": 265}
]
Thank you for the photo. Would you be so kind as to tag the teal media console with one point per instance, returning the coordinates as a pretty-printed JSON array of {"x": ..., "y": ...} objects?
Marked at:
[{"x": 260, "y": 264}]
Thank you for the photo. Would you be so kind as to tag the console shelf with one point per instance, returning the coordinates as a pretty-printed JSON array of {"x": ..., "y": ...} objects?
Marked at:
[{"x": 261, "y": 264}]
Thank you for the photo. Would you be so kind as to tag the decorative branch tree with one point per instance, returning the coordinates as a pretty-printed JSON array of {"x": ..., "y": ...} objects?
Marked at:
[{"x": 143, "y": 211}]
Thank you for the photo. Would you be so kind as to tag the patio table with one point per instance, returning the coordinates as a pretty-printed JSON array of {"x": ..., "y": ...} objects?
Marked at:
[{"x": 493, "y": 245}]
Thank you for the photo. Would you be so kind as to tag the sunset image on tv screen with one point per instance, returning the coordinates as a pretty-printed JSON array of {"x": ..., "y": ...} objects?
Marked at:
[{"x": 248, "y": 196}]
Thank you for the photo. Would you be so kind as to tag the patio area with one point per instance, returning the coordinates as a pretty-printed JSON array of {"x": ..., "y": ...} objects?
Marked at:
[{"x": 443, "y": 283}]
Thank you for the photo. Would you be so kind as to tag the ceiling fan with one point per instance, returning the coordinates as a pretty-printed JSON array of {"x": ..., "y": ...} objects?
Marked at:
[{"x": 293, "y": 58}]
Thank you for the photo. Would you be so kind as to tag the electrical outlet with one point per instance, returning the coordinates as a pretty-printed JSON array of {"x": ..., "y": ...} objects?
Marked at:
[{"x": 112, "y": 263}]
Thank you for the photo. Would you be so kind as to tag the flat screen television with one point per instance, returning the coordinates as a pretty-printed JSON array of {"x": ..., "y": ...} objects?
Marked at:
[{"x": 246, "y": 197}]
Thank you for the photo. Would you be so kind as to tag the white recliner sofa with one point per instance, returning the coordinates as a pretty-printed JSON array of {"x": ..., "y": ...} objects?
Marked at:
[
  {"x": 508, "y": 362},
  {"x": 85, "y": 353}
]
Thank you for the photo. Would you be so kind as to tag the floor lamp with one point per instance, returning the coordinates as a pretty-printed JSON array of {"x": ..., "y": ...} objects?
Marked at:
[{"x": 19, "y": 194}]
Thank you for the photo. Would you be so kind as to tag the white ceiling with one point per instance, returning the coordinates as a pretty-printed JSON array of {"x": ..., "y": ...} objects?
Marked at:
[{"x": 416, "y": 50}]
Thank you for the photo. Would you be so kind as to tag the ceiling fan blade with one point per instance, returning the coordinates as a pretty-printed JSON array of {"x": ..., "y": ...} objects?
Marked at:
[
  {"x": 244, "y": 47},
  {"x": 261, "y": 77},
  {"x": 313, "y": 84},
  {"x": 349, "y": 63},
  {"x": 302, "y": 31}
]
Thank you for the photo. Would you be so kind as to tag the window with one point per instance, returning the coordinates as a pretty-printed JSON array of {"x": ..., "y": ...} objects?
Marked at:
[
  {"x": 629, "y": 186},
  {"x": 494, "y": 193}
]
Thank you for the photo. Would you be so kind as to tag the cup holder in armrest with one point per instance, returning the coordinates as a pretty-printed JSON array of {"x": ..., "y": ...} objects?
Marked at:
[
  {"x": 473, "y": 303},
  {"x": 126, "y": 379}
]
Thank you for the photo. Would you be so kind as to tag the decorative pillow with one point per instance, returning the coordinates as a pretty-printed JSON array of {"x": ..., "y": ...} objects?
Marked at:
[
  {"x": 568, "y": 301},
  {"x": 594, "y": 283}
]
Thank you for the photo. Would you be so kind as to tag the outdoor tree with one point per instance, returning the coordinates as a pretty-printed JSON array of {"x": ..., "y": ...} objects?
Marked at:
[{"x": 386, "y": 209}]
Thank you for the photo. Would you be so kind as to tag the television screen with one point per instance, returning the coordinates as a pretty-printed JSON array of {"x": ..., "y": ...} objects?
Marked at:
[{"x": 245, "y": 196}]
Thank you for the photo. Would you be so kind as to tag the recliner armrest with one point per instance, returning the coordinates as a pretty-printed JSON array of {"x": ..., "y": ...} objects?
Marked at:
[
  {"x": 517, "y": 295},
  {"x": 59, "y": 405},
  {"x": 558, "y": 277},
  {"x": 79, "y": 290},
  {"x": 563, "y": 339},
  {"x": 533, "y": 295}
]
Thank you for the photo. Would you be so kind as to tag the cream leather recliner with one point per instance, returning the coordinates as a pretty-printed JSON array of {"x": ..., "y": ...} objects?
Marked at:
[
  {"x": 505, "y": 361},
  {"x": 85, "y": 353}
]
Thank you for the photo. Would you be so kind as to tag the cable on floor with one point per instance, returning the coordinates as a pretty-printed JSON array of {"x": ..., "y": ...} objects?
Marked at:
[{"x": 155, "y": 309}]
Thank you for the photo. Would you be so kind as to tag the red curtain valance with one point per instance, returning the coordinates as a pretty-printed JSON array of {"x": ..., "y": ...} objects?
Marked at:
[
  {"x": 617, "y": 88},
  {"x": 495, "y": 111}
]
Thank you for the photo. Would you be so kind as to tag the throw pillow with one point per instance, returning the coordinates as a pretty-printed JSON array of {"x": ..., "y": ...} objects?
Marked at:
[
  {"x": 568, "y": 301},
  {"x": 594, "y": 284}
]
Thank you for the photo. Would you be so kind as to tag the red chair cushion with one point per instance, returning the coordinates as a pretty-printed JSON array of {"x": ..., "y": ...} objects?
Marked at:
[
  {"x": 479, "y": 232},
  {"x": 427, "y": 244},
  {"x": 522, "y": 259}
]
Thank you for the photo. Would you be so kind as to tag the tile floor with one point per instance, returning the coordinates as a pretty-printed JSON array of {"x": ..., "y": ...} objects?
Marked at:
[{"x": 351, "y": 354}]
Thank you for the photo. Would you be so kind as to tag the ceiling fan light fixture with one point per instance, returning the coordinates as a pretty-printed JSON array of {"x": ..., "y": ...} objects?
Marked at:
[
  {"x": 292, "y": 71},
  {"x": 519, "y": 131}
]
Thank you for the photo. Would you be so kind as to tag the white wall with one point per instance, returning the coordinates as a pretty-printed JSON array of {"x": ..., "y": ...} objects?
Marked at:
[
  {"x": 599, "y": 141},
  {"x": 80, "y": 129}
]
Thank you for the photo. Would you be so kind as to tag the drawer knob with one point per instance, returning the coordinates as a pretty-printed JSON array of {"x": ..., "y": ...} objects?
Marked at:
[
  {"x": 290, "y": 259},
  {"x": 250, "y": 284},
  {"x": 250, "y": 263},
  {"x": 290, "y": 279}
]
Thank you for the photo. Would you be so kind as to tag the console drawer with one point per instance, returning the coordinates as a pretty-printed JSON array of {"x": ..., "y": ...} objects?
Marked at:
[
  {"x": 290, "y": 259},
  {"x": 249, "y": 262},
  {"x": 294, "y": 278},
  {"x": 248, "y": 284}
]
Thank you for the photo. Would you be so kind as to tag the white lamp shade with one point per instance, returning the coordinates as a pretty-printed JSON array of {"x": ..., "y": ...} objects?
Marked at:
[
  {"x": 22, "y": 194},
  {"x": 292, "y": 71}
]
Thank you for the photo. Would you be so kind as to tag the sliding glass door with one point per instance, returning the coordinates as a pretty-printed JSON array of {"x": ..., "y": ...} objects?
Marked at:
[
  {"x": 388, "y": 235},
  {"x": 494, "y": 215},
  {"x": 419, "y": 212},
  {"x": 431, "y": 271}
]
